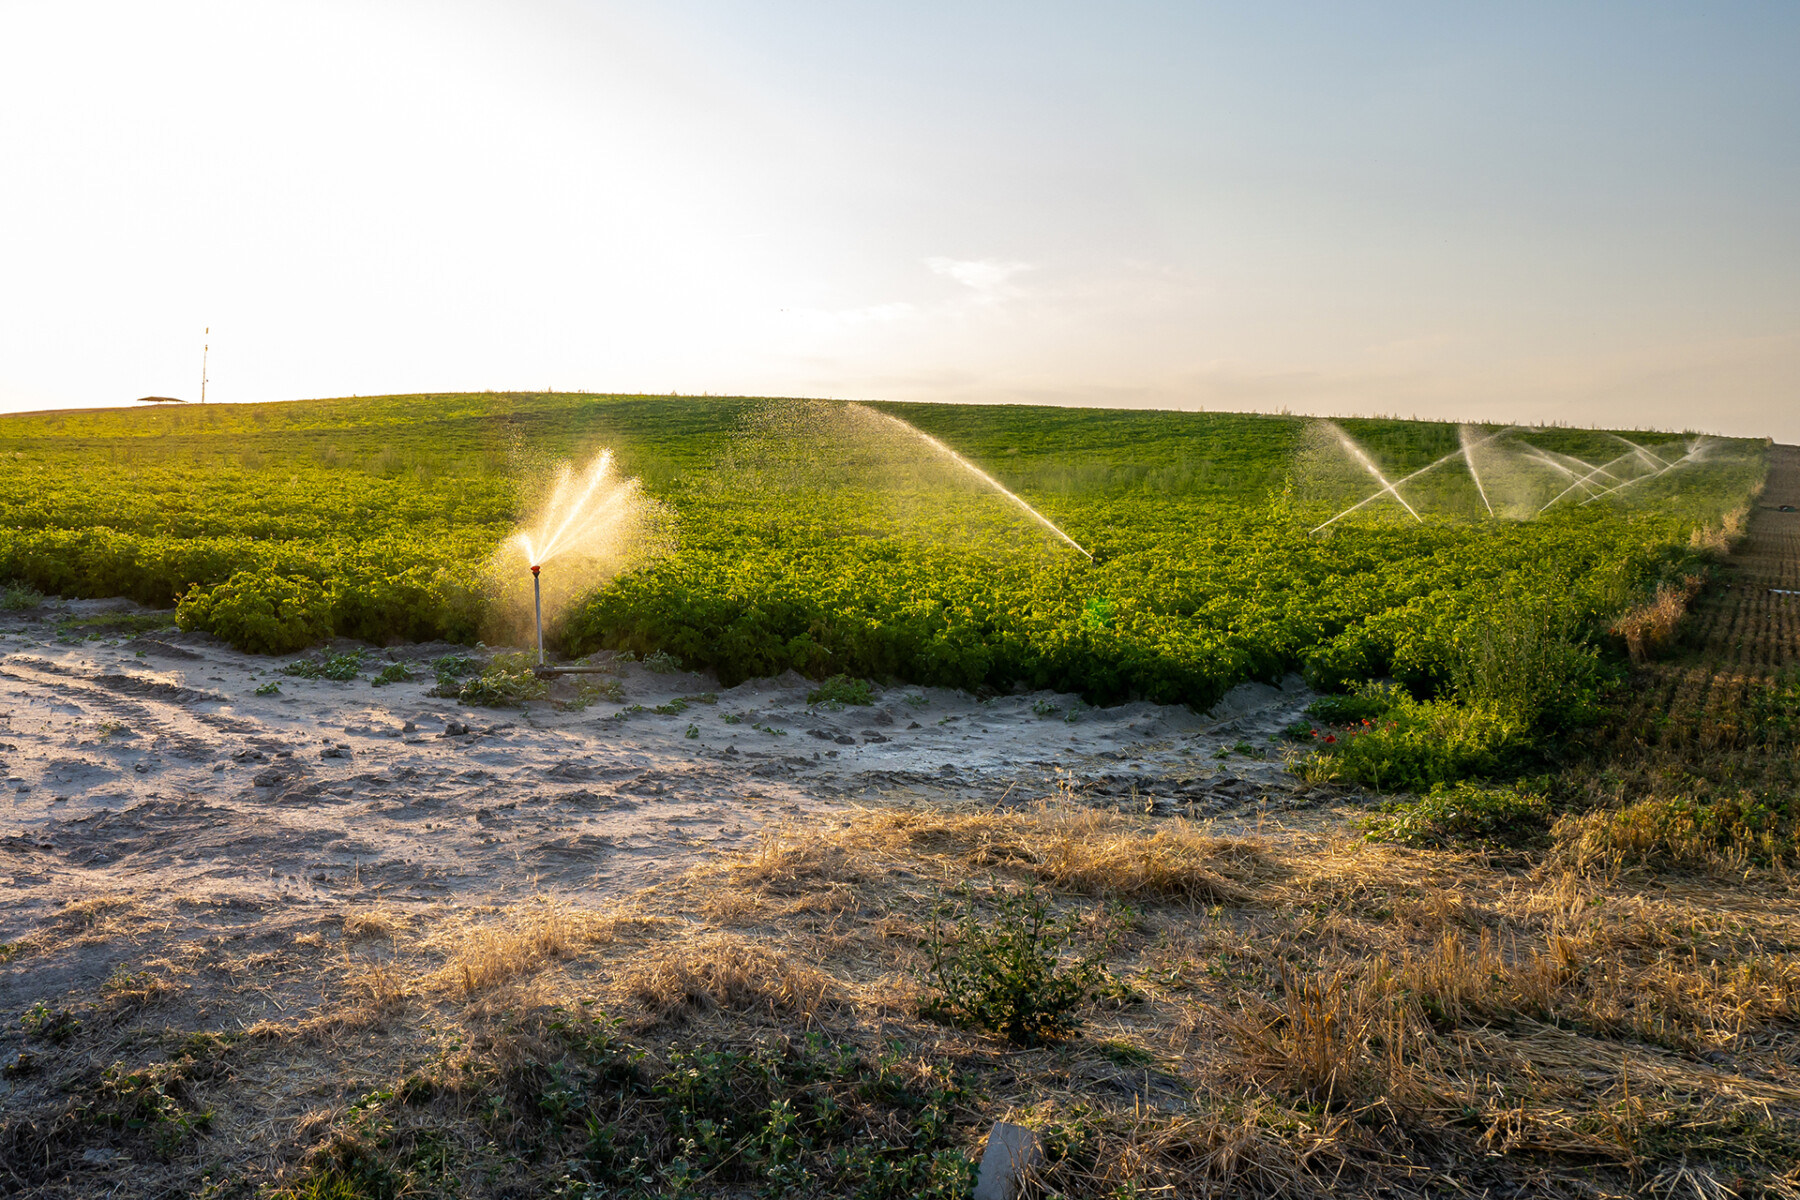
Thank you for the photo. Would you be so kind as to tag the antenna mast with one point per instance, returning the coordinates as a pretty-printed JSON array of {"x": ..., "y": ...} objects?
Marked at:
[{"x": 204, "y": 350}]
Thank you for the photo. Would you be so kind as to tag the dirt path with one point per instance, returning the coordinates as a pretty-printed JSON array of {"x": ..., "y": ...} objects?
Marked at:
[
  {"x": 1716, "y": 708},
  {"x": 1752, "y": 622},
  {"x": 150, "y": 768}
]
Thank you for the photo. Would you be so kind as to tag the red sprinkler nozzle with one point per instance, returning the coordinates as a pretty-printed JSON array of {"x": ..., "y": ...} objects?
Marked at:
[{"x": 536, "y": 567}]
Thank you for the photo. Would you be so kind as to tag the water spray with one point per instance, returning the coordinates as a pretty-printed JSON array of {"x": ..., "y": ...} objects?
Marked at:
[
  {"x": 1693, "y": 452},
  {"x": 586, "y": 515},
  {"x": 1586, "y": 481},
  {"x": 982, "y": 475},
  {"x": 1393, "y": 488},
  {"x": 1462, "y": 435}
]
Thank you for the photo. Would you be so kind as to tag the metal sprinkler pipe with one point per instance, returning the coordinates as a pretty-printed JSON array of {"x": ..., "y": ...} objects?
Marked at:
[{"x": 537, "y": 602}]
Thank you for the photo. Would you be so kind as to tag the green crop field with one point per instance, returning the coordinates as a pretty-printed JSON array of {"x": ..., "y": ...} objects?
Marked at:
[{"x": 800, "y": 542}]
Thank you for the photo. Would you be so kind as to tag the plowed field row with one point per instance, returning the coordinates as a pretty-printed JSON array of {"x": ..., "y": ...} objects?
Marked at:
[{"x": 1731, "y": 698}]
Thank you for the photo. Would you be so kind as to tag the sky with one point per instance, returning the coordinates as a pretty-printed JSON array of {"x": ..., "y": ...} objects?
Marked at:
[{"x": 1577, "y": 212}]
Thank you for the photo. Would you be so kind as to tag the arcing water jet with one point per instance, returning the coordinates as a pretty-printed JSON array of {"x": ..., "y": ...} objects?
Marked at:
[
  {"x": 1368, "y": 464},
  {"x": 1462, "y": 435},
  {"x": 1694, "y": 450},
  {"x": 1387, "y": 488},
  {"x": 982, "y": 475}
]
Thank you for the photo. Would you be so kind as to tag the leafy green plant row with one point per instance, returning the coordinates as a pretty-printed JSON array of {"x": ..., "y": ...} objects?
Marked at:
[{"x": 277, "y": 526}]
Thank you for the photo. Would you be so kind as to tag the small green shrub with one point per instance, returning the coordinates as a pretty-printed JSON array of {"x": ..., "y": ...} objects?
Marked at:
[
  {"x": 18, "y": 597},
  {"x": 840, "y": 690},
  {"x": 338, "y": 667},
  {"x": 451, "y": 670},
  {"x": 1045, "y": 708},
  {"x": 1531, "y": 664},
  {"x": 262, "y": 613},
  {"x": 1366, "y": 703},
  {"x": 1413, "y": 745},
  {"x": 271, "y": 688},
  {"x": 1464, "y": 814},
  {"x": 661, "y": 662},
  {"x": 392, "y": 673},
  {"x": 1008, "y": 976}
]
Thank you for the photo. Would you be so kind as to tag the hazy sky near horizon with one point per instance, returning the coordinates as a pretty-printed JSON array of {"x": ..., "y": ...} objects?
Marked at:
[{"x": 1582, "y": 212}]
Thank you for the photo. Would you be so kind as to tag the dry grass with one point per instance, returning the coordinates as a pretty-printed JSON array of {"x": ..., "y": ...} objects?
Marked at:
[
  {"x": 374, "y": 923},
  {"x": 1649, "y": 629},
  {"x": 1308, "y": 1015},
  {"x": 1722, "y": 538},
  {"x": 1071, "y": 848},
  {"x": 522, "y": 942},
  {"x": 724, "y": 971}
]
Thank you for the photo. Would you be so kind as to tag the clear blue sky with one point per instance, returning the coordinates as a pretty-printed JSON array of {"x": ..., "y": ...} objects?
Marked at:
[{"x": 1579, "y": 212}]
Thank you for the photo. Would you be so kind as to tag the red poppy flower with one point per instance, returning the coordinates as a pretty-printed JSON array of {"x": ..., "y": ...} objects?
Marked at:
[{"x": 1330, "y": 737}]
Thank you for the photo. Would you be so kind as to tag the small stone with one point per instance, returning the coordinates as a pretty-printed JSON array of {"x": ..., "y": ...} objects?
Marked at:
[{"x": 1011, "y": 1151}]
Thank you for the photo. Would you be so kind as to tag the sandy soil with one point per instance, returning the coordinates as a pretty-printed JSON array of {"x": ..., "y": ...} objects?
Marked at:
[{"x": 148, "y": 766}]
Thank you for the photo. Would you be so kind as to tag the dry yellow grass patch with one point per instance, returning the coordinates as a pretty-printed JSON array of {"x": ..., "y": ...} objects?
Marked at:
[
  {"x": 374, "y": 923},
  {"x": 96, "y": 918},
  {"x": 1649, "y": 628},
  {"x": 1073, "y": 849},
  {"x": 724, "y": 971},
  {"x": 522, "y": 942},
  {"x": 380, "y": 987}
]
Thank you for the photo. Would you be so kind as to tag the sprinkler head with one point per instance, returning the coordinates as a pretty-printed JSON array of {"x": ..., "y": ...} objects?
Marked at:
[{"x": 536, "y": 567}]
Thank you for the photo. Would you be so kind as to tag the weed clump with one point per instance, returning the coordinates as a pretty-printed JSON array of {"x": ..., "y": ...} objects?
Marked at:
[
  {"x": 839, "y": 690},
  {"x": 19, "y": 597},
  {"x": 508, "y": 679},
  {"x": 1415, "y": 745},
  {"x": 1464, "y": 814},
  {"x": 1723, "y": 833},
  {"x": 394, "y": 672},
  {"x": 341, "y": 668},
  {"x": 1008, "y": 976},
  {"x": 152, "y": 1099}
]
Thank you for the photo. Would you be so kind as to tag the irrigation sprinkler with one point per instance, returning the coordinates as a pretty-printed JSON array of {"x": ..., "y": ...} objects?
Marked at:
[{"x": 537, "y": 603}]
